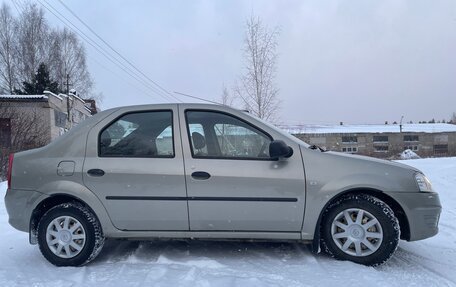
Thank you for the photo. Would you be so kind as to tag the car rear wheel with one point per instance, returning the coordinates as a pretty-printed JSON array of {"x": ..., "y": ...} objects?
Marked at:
[
  {"x": 69, "y": 234},
  {"x": 360, "y": 228}
]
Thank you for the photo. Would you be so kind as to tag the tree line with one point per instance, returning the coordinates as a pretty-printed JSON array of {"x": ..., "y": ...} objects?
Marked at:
[
  {"x": 452, "y": 120},
  {"x": 29, "y": 47}
]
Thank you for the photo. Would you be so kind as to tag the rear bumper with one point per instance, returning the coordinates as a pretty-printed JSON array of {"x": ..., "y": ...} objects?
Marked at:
[
  {"x": 423, "y": 213},
  {"x": 19, "y": 205}
]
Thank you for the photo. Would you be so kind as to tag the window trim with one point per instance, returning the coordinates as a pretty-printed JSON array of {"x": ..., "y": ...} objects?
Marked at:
[
  {"x": 412, "y": 147},
  {"x": 440, "y": 148},
  {"x": 351, "y": 149},
  {"x": 139, "y": 156},
  {"x": 349, "y": 142},
  {"x": 376, "y": 146},
  {"x": 222, "y": 157},
  {"x": 411, "y": 141},
  {"x": 380, "y": 142}
]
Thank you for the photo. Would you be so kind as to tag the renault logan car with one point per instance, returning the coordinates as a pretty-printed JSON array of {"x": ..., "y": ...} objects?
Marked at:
[{"x": 209, "y": 171}]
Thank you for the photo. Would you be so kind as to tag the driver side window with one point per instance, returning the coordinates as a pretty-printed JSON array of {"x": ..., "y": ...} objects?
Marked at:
[{"x": 222, "y": 136}]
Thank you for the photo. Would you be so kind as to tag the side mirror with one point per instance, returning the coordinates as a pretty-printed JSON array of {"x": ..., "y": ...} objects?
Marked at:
[{"x": 278, "y": 149}]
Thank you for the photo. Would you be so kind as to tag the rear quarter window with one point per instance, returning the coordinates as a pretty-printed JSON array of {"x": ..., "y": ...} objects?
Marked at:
[{"x": 139, "y": 134}]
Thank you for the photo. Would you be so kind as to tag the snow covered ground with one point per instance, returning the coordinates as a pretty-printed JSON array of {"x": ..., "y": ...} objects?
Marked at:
[{"x": 196, "y": 263}]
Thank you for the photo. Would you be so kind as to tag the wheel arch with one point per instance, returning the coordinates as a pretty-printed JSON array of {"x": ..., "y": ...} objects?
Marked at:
[
  {"x": 390, "y": 201},
  {"x": 47, "y": 203}
]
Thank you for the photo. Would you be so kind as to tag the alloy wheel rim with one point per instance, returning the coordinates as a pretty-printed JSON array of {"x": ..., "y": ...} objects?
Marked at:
[
  {"x": 65, "y": 236},
  {"x": 357, "y": 232}
]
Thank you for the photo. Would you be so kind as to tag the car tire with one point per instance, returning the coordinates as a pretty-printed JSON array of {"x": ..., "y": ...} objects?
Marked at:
[
  {"x": 360, "y": 228},
  {"x": 69, "y": 234}
]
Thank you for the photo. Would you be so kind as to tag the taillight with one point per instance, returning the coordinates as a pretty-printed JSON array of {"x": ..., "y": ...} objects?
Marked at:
[{"x": 10, "y": 169}]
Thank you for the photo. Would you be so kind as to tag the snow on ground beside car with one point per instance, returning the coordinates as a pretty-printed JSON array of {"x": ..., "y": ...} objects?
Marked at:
[{"x": 198, "y": 263}]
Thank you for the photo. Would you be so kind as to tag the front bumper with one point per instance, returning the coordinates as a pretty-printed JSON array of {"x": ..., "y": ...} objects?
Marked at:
[
  {"x": 423, "y": 212},
  {"x": 19, "y": 205}
]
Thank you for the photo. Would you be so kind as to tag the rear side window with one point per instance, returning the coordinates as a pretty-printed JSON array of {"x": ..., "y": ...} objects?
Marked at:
[{"x": 141, "y": 134}]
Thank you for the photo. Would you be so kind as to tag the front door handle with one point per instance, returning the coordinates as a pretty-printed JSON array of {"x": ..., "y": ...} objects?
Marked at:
[
  {"x": 96, "y": 172},
  {"x": 201, "y": 175}
]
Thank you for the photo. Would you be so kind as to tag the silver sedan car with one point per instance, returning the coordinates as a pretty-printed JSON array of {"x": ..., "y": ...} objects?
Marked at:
[{"x": 209, "y": 171}]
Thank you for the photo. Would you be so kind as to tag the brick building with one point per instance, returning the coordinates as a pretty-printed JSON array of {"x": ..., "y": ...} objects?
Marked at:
[
  {"x": 30, "y": 121},
  {"x": 382, "y": 141}
]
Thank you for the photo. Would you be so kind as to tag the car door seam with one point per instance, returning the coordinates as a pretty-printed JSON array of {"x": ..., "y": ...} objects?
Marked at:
[{"x": 183, "y": 160}]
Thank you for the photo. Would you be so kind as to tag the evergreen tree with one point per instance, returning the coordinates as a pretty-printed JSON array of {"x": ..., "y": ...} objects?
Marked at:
[{"x": 41, "y": 82}]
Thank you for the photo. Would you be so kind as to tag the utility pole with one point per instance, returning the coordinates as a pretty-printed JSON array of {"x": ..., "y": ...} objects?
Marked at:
[
  {"x": 68, "y": 95},
  {"x": 400, "y": 124},
  {"x": 68, "y": 84}
]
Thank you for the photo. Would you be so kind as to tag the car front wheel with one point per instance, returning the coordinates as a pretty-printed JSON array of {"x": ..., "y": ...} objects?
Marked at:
[
  {"x": 69, "y": 234},
  {"x": 360, "y": 228}
]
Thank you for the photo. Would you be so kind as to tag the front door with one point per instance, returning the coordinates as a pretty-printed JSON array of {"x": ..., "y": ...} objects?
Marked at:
[
  {"x": 232, "y": 183},
  {"x": 134, "y": 165}
]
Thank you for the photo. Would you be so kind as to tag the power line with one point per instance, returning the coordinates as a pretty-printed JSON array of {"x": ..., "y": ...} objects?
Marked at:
[
  {"x": 105, "y": 53},
  {"x": 123, "y": 66},
  {"x": 115, "y": 51},
  {"x": 15, "y": 4},
  {"x": 16, "y": 7},
  {"x": 120, "y": 77},
  {"x": 198, "y": 98},
  {"x": 22, "y": 4},
  {"x": 100, "y": 49}
]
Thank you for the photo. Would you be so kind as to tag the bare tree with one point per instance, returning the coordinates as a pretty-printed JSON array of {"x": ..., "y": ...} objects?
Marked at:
[
  {"x": 70, "y": 59},
  {"x": 33, "y": 41},
  {"x": 8, "y": 49},
  {"x": 27, "y": 41},
  {"x": 27, "y": 131},
  {"x": 227, "y": 99},
  {"x": 257, "y": 88}
]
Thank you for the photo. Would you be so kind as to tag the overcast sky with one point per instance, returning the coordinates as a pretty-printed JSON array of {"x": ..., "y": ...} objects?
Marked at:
[{"x": 354, "y": 61}]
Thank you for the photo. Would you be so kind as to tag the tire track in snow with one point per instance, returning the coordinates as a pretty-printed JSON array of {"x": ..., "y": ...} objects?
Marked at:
[{"x": 416, "y": 260}]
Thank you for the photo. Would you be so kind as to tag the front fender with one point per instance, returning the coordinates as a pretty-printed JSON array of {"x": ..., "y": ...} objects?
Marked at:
[
  {"x": 319, "y": 197},
  {"x": 331, "y": 174}
]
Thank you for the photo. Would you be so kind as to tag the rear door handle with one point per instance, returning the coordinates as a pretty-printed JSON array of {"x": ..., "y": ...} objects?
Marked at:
[
  {"x": 96, "y": 172},
  {"x": 201, "y": 175}
]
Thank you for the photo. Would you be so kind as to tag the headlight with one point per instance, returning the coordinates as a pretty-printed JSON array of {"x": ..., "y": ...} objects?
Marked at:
[{"x": 423, "y": 182}]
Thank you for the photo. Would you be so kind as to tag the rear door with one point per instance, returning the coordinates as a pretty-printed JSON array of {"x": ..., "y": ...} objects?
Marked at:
[
  {"x": 134, "y": 165},
  {"x": 232, "y": 183}
]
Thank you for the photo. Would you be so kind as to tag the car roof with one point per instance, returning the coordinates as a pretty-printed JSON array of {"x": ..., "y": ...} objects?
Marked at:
[{"x": 182, "y": 105}]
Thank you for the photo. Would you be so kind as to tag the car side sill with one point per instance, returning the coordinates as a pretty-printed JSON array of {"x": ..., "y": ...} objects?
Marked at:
[{"x": 205, "y": 234}]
